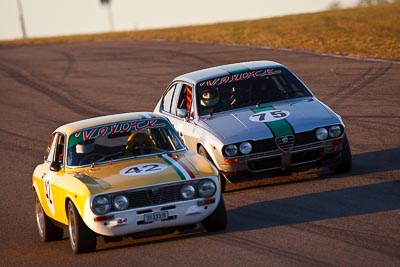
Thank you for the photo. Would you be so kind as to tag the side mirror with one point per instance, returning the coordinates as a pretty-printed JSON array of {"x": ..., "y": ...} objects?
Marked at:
[
  {"x": 55, "y": 166},
  {"x": 181, "y": 112}
]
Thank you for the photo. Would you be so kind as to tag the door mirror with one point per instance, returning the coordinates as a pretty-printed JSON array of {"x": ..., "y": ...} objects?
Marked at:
[
  {"x": 55, "y": 166},
  {"x": 181, "y": 112}
]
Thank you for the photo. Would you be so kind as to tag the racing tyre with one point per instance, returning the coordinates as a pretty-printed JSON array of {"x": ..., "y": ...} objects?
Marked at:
[
  {"x": 222, "y": 179},
  {"x": 218, "y": 219},
  {"x": 346, "y": 162},
  {"x": 203, "y": 152},
  {"x": 47, "y": 230},
  {"x": 82, "y": 239}
]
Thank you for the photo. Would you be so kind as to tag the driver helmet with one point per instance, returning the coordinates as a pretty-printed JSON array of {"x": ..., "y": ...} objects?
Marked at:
[{"x": 209, "y": 97}]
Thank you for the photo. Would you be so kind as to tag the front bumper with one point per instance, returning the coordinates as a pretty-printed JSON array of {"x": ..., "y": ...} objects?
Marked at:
[
  {"x": 133, "y": 220},
  {"x": 302, "y": 157}
]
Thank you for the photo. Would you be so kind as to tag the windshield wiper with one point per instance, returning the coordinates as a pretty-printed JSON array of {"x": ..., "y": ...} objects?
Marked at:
[
  {"x": 108, "y": 156},
  {"x": 149, "y": 148}
]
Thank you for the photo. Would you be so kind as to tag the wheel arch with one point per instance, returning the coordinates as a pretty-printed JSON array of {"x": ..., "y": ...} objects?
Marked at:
[{"x": 210, "y": 156}]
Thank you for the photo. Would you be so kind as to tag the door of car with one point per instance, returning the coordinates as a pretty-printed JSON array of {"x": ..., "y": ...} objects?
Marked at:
[
  {"x": 177, "y": 105},
  {"x": 53, "y": 163}
]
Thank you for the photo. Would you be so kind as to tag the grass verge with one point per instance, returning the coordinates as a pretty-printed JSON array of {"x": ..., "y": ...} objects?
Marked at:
[{"x": 372, "y": 31}]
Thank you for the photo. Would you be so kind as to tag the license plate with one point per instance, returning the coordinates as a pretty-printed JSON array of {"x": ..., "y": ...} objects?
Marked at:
[{"x": 156, "y": 216}]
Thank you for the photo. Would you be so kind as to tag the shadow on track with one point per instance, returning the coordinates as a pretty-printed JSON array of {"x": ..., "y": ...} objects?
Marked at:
[
  {"x": 376, "y": 161},
  {"x": 318, "y": 206},
  {"x": 339, "y": 203}
]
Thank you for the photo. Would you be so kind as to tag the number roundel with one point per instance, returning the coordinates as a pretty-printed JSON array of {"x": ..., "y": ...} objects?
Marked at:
[
  {"x": 269, "y": 115},
  {"x": 143, "y": 169}
]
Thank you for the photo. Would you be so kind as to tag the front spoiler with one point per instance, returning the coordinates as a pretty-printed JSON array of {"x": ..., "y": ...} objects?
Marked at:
[
  {"x": 300, "y": 158},
  {"x": 132, "y": 221}
]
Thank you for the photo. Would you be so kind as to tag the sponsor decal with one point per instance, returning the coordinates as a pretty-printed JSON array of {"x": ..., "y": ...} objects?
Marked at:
[
  {"x": 118, "y": 221},
  {"x": 143, "y": 169},
  {"x": 234, "y": 77},
  {"x": 275, "y": 120},
  {"x": 122, "y": 221},
  {"x": 49, "y": 192},
  {"x": 116, "y": 128}
]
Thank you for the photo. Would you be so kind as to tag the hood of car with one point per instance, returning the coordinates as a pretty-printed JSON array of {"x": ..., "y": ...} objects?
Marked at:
[
  {"x": 268, "y": 121},
  {"x": 145, "y": 171}
]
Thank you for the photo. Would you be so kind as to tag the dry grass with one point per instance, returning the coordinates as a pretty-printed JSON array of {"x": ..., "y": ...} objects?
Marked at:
[{"x": 372, "y": 32}]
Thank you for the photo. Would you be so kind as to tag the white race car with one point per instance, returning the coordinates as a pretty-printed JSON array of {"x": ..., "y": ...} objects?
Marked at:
[{"x": 255, "y": 117}]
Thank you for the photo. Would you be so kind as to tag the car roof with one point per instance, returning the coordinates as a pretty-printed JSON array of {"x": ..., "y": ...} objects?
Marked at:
[
  {"x": 103, "y": 120},
  {"x": 218, "y": 71}
]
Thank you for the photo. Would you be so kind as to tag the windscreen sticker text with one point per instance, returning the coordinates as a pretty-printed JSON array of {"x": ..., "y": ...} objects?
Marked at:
[
  {"x": 240, "y": 77},
  {"x": 117, "y": 128}
]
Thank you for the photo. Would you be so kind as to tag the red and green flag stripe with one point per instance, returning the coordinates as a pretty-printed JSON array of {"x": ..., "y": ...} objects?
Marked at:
[{"x": 179, "y": 166}]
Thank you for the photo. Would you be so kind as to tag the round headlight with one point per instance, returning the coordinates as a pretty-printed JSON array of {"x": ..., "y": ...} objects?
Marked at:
[
  {"x": 101, "y": 205},
  {"x": 321, "y": 134},
  {"x": 206, "y": 188},
  {"x": 231, "y": 150},
  {"x": 121, "y": 202},
  {"x": 188, "y": 191},
  {"x": 334, "y": 131},
  {"x": 245, "y": 147}
]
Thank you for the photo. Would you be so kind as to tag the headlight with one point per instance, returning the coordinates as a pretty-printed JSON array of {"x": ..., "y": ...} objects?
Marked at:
[
  {"x": 101, "y": 205},
  {"x": 335, "y": 131},
  {"x": 206, "y": 188},
  {"x": 121, "y": 202},
  {"x": 231, "y": 150},
  {"x": 188, "y": 191},
  {"x": 321, "y": 134},
  {"x": 245, "y": 148}
]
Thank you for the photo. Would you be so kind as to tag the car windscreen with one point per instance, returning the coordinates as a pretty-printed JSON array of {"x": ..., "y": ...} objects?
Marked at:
[
  {"x": 121, "y": 140},
  {"x": 247, "y": 89}
]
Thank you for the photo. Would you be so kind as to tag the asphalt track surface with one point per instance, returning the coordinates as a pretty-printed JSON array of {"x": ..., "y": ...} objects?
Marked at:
[{"x": 314, "y": 218}]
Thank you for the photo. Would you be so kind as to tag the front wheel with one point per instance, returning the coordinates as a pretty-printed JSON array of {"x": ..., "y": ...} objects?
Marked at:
[
  {"x": 218, "y": 219},
  {"x": 346, "y": 162},
  {"x": 82, "y": 239},
  {"x": 47, "y": 230}
]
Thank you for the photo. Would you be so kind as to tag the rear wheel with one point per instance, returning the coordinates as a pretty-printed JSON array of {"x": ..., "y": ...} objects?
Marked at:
[
  {"x": 218, "y": 219},
  {"x": 346, "y": 162},
  {"x": 82, "y": 239},
  {"x": 47, "y": 230},
  {"x": 202, "y": 151}
]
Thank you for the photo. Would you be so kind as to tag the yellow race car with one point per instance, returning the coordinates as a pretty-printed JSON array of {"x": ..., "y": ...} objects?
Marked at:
[{"x": 117, "y": 175}]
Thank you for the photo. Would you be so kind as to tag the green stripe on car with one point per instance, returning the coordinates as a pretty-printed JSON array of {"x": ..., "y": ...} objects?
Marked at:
[{"x": 278, "y": 127}]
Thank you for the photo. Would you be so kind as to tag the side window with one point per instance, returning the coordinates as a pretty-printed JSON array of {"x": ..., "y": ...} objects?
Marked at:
[
  {"x": 168, "y": 98},
  {"x": 60, "y": 149},
  {"x": 170, "y": 101},
  {"x": 185, "y": 98},
  {"x": 55, "y": 149},
  {"x": 49, "y": 154},
  {"x": 174, "y": 103}
]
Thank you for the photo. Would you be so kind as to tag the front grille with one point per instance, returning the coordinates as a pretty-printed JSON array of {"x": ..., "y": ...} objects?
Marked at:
[
  {"x": 263, "y": 145},
  {"x": 285, "y": 143},
  {"x": 155, "y": 195}
]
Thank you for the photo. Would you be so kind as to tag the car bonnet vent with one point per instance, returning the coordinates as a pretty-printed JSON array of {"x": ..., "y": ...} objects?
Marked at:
[{"x": 285, "y": 143}]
